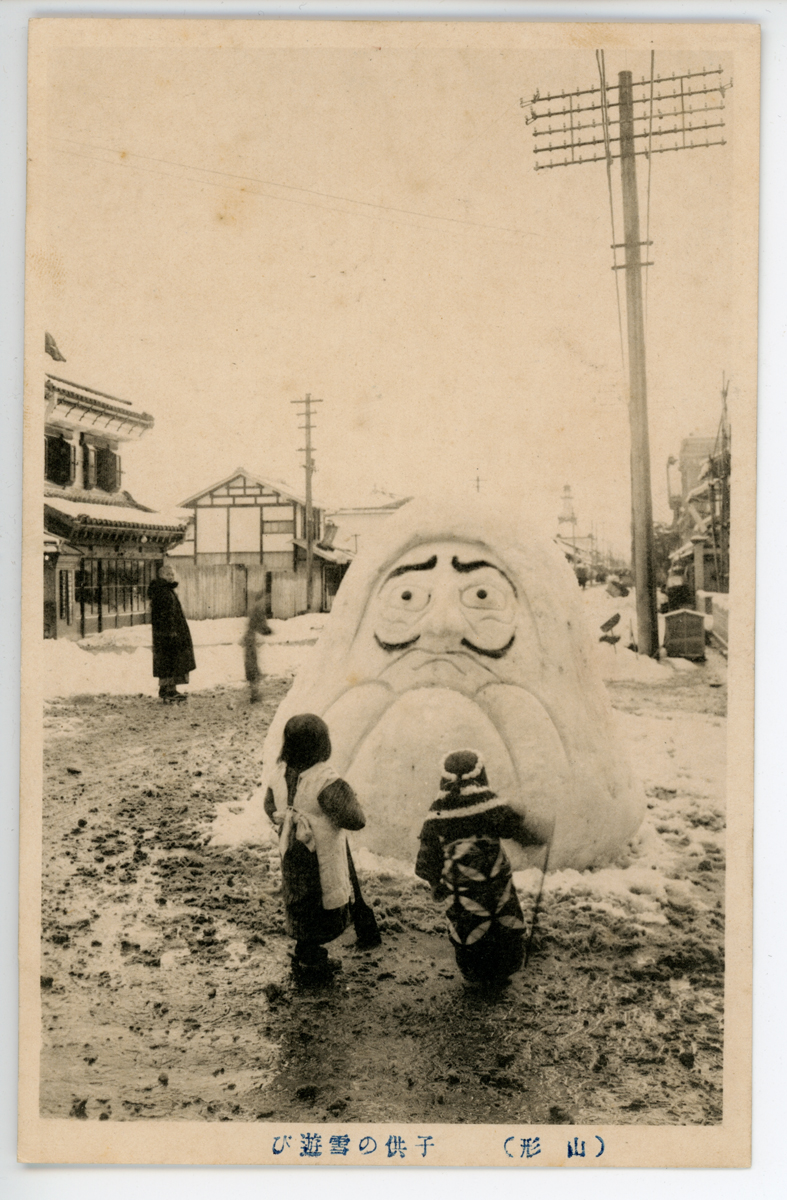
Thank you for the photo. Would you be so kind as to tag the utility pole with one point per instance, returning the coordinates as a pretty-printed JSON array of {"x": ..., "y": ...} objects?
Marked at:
[
  {"x": 309, "y": 470},
  {"x": 571, "y": 137},
  {"x": 721, "y": 455},
  {"x": 641, "y": 500}
]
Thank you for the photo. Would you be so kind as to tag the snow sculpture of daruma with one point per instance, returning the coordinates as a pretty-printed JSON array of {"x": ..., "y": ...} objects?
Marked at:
[{"x": 458, "y": 629}]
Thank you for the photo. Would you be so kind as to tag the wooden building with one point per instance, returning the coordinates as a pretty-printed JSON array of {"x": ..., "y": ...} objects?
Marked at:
[
  {"x": 101, "y": 547},
  {"x": 248, "y": 535},
  {"x": 361, "y": 522}
]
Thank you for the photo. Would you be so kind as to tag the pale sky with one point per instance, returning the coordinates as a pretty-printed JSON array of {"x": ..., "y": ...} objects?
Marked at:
[{"x": 231, "y": 229}]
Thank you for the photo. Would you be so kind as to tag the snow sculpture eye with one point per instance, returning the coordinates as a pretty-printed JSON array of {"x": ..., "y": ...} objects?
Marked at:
[
  {"x": 484, "y": 595},
  {"x": 410, "y": 597}
]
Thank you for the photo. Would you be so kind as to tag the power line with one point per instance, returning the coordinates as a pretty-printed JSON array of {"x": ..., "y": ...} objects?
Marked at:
[
  {"x": 123, "y": 155},
  {"x": 605, "y": 123},
  {"x": 568, "y": 140}
]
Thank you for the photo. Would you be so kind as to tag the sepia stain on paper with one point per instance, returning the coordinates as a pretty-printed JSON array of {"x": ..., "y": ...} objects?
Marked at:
[{"x": 349, "y": 413}]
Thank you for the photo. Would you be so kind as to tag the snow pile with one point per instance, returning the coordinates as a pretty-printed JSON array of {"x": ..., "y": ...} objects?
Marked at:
[
  {"x": 620, "y": 665},
  {"x": 118, "y": 662},
  {"x": 225, "y": 631},
  {"x": 682, "y": 759},
  {"x": 617, "y": 663}
]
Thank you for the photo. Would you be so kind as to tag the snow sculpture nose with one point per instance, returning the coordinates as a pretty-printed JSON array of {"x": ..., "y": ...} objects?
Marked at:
[{"x": 443, "y": 625}]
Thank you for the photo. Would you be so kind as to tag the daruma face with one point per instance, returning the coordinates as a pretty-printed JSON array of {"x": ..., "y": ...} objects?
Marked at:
[
  {"x": 455, "y": 642},
  {"x": 444, "y": 615}
]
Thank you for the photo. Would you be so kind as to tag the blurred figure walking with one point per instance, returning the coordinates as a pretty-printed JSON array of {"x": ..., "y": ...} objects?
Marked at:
[{"x": 257, "y": 626}]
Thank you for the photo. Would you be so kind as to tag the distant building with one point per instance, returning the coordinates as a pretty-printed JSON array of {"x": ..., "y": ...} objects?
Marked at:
[
  {"x": 695, "y": 450},
  {"x": 101, "y": 546},
  {"x": 247, "y": 535},
  {"x": 357, "y": 523},
  {"x": 702, "y": 517}
]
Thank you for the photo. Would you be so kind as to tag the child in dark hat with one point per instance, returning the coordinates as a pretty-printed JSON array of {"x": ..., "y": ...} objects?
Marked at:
[
  {"x": 462, "y": 858},
  {"x": 312, "y": 807}
]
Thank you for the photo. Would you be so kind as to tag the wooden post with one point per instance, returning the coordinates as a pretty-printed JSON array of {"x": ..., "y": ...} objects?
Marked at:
[
  {"x": 698, "y": 542},
  {"x": 641, "y": 502},
  {"x": 308, "y": 511},
  {"x": 309, "y": 531}
]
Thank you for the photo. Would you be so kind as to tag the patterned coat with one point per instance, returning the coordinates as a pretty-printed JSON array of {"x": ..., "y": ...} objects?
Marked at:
[{"x": 462, "y": 857}]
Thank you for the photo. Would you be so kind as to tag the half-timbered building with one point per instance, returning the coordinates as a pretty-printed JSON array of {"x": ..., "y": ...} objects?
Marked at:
[{"x": 248, "y": 535}]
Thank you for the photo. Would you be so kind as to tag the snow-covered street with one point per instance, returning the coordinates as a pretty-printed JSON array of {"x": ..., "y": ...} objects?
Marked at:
[{"x": 165, "y": 977}]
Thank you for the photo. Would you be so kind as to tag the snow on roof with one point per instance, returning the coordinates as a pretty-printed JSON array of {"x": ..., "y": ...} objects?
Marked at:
[
  {"x": 277, "y": 485},
  {"x": 97, "y": 401},
  {"x": 373, "y": 501},
  {"x": 702, "y": 489},
  {"x": 78, "y": 495},
  {"x": 111, "y": 514},
  {"x": 326, "y": 552}
]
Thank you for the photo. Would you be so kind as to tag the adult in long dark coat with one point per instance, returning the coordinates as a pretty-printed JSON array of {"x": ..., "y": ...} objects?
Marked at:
[{"x": 173, "y": 651}]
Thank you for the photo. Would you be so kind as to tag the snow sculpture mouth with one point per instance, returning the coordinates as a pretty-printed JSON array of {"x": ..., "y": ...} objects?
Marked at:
[{"x": 420, "y": 668}]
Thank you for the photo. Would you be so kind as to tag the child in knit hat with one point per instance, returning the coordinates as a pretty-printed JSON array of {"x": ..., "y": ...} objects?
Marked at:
[{"x": 462, "y": 858}]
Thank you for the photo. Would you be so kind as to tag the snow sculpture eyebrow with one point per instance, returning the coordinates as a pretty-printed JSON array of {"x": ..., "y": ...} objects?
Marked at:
[
  {"x": 464, "y": 568},
  {"x": 429, "y": 565}
]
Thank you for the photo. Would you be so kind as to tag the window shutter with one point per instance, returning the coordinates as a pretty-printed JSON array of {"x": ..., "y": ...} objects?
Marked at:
[
  {"x": 58, "y": 461},
  {"x": 72, "y": 464},
  {"x": 107, "y": 470}
]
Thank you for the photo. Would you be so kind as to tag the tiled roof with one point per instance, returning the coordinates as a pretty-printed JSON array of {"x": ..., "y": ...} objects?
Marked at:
[
  {"x": 124, "y": 516},
  {"x": 94, "y": 497}
]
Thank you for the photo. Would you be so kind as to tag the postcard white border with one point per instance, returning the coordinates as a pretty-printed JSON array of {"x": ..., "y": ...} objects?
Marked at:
[{"x": 769, "y": 960}]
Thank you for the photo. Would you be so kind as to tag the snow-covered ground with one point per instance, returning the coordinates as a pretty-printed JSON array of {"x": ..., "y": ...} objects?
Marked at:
[
  {"x": 118, "y": 662},
  {"x": 681, "y": 760},
  {"x": 630, "y": 954}
]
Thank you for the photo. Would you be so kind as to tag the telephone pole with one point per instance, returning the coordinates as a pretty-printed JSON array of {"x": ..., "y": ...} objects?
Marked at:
[
  {"x": 309, "y": 469},
  {"x": 571, "y": 137},
  {"x": 641, "y": 498}
]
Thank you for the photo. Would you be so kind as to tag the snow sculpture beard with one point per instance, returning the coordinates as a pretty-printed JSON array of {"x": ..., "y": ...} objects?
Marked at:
[{"x": 459, "y": 629}]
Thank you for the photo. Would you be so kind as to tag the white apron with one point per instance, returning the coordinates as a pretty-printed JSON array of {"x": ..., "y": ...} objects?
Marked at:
[{"x": 315, "y": 829}]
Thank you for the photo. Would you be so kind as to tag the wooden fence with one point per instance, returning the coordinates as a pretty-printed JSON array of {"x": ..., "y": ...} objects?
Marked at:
[
  {"x": 209, "y": 592},
  {"x": 229, "y": 590}
]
